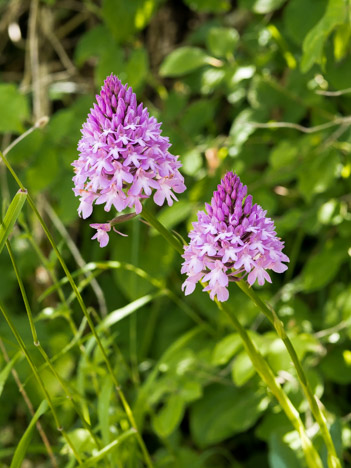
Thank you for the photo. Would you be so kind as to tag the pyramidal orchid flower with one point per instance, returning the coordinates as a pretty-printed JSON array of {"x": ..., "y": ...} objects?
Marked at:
[
  {"x": 232, "y": 240},
  {"x": 123, "y": 158}
]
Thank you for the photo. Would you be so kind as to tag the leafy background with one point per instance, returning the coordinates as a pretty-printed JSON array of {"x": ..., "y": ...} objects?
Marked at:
[{"x": 260, "y": 87}]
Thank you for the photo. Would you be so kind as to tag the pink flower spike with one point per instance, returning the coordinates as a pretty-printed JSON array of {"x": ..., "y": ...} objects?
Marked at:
[
  {"x": 232, "y": 240},
  {"x": 123, "y": 156}
]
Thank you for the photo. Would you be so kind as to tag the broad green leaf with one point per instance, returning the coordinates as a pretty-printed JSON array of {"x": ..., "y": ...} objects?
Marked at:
[
  {"x": 23, "y": 444},
  {"x": 11, "y": 216},
  {"x": 261, "y": 6},
  {"x": 136, "y": 68},
  {"x": 281, "y": 455},
  {"x": 170, "y": 416},
  {"x": 93, "y": 44},
  {"x": 6, "y": 371},
  {"x": 321, "y": 267},
  {"x": 336, "y": 366},
  {"x": 197, "y": 116},
  {"x": 120, "y": 17},
  {"x": 283, "y": 154},
  {"x": 315, "y": 39},
  {"x": 222, "y": 41},
  {"x": 14, "y": 109},
  {"x": 190, "y": 390},
  {"x": 226, "y": 349},
  {"x": 44, "y": 170},
  {"x": 342, "y": 41},
  {"x": 299, "y": 20},
  {"x": 242, "y": 369},
  {"x": 110, "y": 61},
  {"x": 224, "y": 411},
  {"x": 208, "y": 6},
  {"x": 183, "y": 60},
  {"x": 192, "y": 163},
  {"x": 318, "y": 173}
]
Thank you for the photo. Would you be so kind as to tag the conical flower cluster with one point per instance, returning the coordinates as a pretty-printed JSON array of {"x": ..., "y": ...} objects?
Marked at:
[
  {"x": 123, "y": 156},
  {"x": 230, "y": 241}
]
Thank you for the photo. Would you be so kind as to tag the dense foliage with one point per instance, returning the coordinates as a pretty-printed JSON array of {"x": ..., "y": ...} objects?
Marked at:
[{"x": 258, "y": 87}]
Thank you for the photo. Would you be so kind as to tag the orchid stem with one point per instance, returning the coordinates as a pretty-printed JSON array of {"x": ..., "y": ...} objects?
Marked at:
[
  {"x": 333, "y": 460},
  {"x": 266, "y": 374}
]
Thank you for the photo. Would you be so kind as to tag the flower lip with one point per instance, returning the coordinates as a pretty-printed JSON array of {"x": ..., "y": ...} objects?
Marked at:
[{"x": 233, "y": 239}]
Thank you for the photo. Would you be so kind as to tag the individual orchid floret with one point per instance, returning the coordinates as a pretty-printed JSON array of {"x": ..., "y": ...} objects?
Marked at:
[
  {"x": 123, "y": 158},
  {"x": 101, "y": 233},
  {"x": 232, "y": 239}
]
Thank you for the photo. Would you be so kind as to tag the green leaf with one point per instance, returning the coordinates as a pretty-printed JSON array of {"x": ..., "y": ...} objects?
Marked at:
[
  {"x": 322, "y": 267},
  {"x": 225, "y": 411},
  {"x": 197, "y": 116},
  {"x": 92, "y": 44},
  {"x": 11, "y": 216},
  {"x": 280, "y": 454},
  {"x": 226, "y": 349},
  {"x": 170, "y": 416},
  {"x": 242, "y": 369},
  {"x": 318, "y": 173},
  {"x": 283, "y": 154},
  {"x": 23, "y": 444},
  {"x": 222, "y": 41},
  {"x": 104, "y": 405},
  {"x": 261, "y": 6},
  {"x": 44, "y": 170},
  {"x": 337, "y": 366},
  {"x": 6, "y": 371},
  {"x": 342, "y": 41},
  {"x": 136, "y": 68},
  {"x": 15, "y": 110},
  {"x": 120, "y": 17},
  {"x": 183, "y": 60},
  {"x": 208, "y": 6},
  {"x": 315, "y": 39},
  {"x": 299, "y": 20}
]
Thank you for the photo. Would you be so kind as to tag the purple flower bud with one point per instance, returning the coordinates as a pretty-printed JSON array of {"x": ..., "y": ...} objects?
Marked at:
[
  {"x": 234, "y": 239},
  {"x": 123, "y": 158}
]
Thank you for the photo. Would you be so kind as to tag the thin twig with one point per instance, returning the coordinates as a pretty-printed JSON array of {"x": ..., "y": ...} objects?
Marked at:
[
  {"x": 38, "y": 124},
  {"x": 334, "y": 93},
  {"x": 56, "y": 44},
  {"x": 301, "y": 128}
]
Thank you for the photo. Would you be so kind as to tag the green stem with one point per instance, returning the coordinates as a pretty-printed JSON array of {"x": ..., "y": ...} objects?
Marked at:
[
  {"x": 154, "y": 222},
  {"x": 262, "y": 368},
  {"x": 333, "y": 460},
  {"x": 312, "y": 458},
  {"x": 119, "y": 390},
  {"x": 40, "y": 382}
]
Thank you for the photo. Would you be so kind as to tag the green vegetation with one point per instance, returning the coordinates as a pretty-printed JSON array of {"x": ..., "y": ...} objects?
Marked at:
[{"x": 96, "y": 342}]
